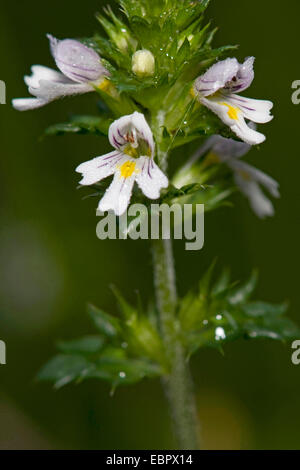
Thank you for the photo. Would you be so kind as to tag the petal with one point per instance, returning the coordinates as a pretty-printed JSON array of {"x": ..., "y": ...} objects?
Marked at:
[
  {"x": 77, "y": 61},
  {"x": 216, "y": 77},
  {"x": 118, "y": 195},
  {"x": 48, "y": 85},
  {"x": 99, "y": 168},
  {"x": 244, "y": 76},
  {"x": 245, "y": 133},
  {"x": 228, "y": 148},
  {"x": 150, "y": 178},
  {"x": 131, "y": 130},
  {"x": 39, "y": 72},
  {"x": 52, "y": 90},
  {"x": 233, "y": 117},
  {"x": 259, "y": 203},
  {"x": 27, "y": 104},
  {"x": 255, "y": 110},
  {"x": 258, "y": 176}
]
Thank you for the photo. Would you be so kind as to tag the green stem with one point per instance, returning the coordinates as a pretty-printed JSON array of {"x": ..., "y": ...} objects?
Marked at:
[{"x": 178, "y": 384}]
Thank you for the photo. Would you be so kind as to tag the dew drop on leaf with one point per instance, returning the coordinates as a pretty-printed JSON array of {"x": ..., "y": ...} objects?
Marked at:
[{"x": 220, "y": 334}]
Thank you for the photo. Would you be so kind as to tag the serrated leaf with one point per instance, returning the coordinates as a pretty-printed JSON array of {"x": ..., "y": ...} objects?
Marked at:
[
  {"x": 225, "y": 314},
  {"x": 124, "y": 371},
  {"x": 64, "y": 369}
]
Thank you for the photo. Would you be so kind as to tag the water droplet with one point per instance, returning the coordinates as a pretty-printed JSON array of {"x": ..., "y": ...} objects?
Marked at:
[
  {"x": 219, "y": 317},
  {"x": 220, "y": 334},
  {"x": 122, "y": 375},
  {"x": 205, "y": 322}
]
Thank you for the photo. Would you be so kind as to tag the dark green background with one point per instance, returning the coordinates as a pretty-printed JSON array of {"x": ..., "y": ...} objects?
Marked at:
[{"x": 52, "y": 262}]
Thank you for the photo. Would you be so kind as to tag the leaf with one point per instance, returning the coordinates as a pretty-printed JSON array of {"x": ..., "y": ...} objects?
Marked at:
[
  {"x": 85, "y": 345},
  {"x": 259, "y": 309},
  {"x": 64, "y": 369},
  {"x": 123, "y": 371},
  {"x": 174, "y": 193},
  {"x": 81, "y": 125},
  {"x": 204, "y": 285},
  {"x": 113, "y": 367},
  {"x": 105, "y": 323},
  {"x": 222, "y": 283},
  {"x": 226, "y": 314},
  {"x": 273, "y": 328},
  {"x": 129, "y": 313},
  {"x": 243, "y": 292}
]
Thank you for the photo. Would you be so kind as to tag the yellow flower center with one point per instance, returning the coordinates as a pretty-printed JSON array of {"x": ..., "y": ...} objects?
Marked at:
[
  {"x": 107, "y": 87},
  {"x": 104, "y": 85},
  {"x": 127, "y": 169},
  {"x": 233, "y": 112}
]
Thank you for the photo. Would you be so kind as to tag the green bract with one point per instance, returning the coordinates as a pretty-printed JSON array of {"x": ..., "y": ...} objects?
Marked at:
[{"x": 129, "y": 348}]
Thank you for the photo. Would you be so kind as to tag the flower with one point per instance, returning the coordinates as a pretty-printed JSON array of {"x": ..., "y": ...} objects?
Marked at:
[
  {"x": 80, "y": 72},
  {"x": 132, "y": 160},
  {"x": 217, "y": 89},
  {"x": 247, "y": 178},
  {"x": 143, "y": 63}
]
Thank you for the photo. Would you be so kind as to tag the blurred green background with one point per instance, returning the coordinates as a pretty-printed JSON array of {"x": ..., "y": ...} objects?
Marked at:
[{"x": 52, "y": 263}]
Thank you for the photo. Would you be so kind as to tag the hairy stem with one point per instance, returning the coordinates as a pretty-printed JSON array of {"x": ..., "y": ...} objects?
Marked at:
[{"x": 178, "y": 384}]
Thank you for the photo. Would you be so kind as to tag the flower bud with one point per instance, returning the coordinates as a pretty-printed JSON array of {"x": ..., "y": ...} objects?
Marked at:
[{"x": 143, "y": 63}]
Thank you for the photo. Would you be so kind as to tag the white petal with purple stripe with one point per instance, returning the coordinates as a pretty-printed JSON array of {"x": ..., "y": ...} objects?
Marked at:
[
  {"x": 131, "y": 162},
  {"x": 80, "y": 71},
  {"x": 217, "y": 89}
]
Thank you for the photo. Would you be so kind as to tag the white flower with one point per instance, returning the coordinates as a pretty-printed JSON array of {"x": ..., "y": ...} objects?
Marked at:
[
  {"x": 80, "y": 72},
  {"x": 248, "y": 178},
  {"x": 132, "y": 160},
  {"x": 143, "y": 63},
  {"x": 217, "y": 89}
]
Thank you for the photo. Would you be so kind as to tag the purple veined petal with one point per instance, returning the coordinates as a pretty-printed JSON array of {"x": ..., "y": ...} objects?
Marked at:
[
  {"x": 258, "y": 111},
  {"x": 132, "y": 130},
  {"x": 99, "y": 168},
  {"x": 216, "y": 77},
  {"x": 150, "y": 178},
  {"x": 228, "y": 148},
  {"x": 233, "y": 117},
  {"x": 243, "y": 78},
  {"x": 77, "y": 61}
]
